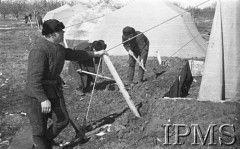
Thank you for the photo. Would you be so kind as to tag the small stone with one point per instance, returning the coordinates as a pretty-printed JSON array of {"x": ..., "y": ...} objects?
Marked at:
[
  {"x": 148, "y": 95},
  {"x": 122, "y": 127},
  {"x": 23, "y": 113},
  {"x": 94, "y": 126}
]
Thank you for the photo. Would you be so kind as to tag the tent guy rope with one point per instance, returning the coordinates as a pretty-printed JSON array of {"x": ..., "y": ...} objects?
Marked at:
[
  {"x": 136, "y": 35},
  {"x": 94, "y": 84},
  {"x": 156, "y": 26},
  {"x": 85, "y": 21},
  {"x": 184, "y": 45},
  {"x": 145, "y": 30}
]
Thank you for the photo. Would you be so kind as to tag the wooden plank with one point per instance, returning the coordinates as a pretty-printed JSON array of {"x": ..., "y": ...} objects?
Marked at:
[{"x": 120, "y": 85}]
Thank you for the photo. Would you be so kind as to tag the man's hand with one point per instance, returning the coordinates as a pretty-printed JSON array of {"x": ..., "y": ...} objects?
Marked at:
[
  {"x": 79, "y": 70},
  {"x": 100, "y": 53},
  {"x": 141, "y": 61},
  {"x": 46, "y": 106},
  {"x": 130, "y": 52},
  {"x": 142, "y": 65},
  {"x": 139, "y": 58}
]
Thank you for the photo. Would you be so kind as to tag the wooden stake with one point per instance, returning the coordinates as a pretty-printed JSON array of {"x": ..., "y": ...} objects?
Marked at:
[
  {"x": 120, "y": 85},
  {"x": 159, "y": 58}
]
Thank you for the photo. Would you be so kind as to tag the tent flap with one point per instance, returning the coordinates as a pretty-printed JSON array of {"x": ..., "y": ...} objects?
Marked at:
[{"x": 221, "y": 71}]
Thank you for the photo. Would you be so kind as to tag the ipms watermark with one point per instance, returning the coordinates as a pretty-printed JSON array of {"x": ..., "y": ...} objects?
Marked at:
[{"x": 198, "y": 137}]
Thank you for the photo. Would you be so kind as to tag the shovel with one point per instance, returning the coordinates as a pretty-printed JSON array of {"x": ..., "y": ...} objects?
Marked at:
[
  {"x": 80, "y": 133},
  {"x": 139, "y": 63}
]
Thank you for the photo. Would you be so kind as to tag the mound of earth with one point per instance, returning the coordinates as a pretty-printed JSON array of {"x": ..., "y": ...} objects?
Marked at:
[{"x": 127, "y": 131}]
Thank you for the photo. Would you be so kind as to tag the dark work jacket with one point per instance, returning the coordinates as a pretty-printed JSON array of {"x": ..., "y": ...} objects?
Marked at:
[
  {"x": 139, "y": 45},
  {"x": 87, "y": 65},
  {"x": 39, "y": 20},
  {"x": 45, "y": 64}
]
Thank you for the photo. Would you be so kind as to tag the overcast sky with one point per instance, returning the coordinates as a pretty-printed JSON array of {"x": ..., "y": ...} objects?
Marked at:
[{"x": 186, "y": 3}]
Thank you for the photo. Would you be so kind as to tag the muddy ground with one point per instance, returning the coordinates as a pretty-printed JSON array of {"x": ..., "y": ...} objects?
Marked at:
[
  {"x": 109, "y": 107},
  {"x": 127, "y": 131}
]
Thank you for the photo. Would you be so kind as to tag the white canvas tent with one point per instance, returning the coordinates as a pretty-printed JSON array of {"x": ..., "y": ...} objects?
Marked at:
[
  {"x": 81, "y": 24},
  {"x": 72, "y": 17},
  {"x": 52, "y": 14},
  {"x": 221, "y": 79},
  {"x": 82, "y": 18},
  {"x": 177, "y": 37},
  {"x": 66, "y": 14}
]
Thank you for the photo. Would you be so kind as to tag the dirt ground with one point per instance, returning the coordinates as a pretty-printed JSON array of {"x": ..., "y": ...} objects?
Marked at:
[{"x": 109, "y": 107}]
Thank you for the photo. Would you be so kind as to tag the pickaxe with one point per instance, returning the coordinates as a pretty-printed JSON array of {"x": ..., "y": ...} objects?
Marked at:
[{"x": 90, "y": 73}]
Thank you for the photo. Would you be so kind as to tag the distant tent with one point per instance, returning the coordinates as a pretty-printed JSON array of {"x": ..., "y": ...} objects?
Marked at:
[
  {"x": 177, "y": 37},
  {"x": 52, "y": 14},
  {"x": 221, "y": 78},
  {"x": 81, "y": 24},
  {"x": 66, "y": 14}
]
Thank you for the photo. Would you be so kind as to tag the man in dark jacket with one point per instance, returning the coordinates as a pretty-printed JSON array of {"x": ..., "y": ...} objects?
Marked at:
[
  {"x": 138, "y": 46},
  {"x": 30, "y": 16},
  {"x": 43, "y": 90},
  {"x": 26, "y": 18},
  {"x": 84, "y": 80},
  {"x": 39, "y": 20}
]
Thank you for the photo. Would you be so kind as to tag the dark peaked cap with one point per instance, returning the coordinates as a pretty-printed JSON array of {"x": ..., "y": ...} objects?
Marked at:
[
  {"x": 99, "y": 45},
  {"x": 51, "y": 26}
]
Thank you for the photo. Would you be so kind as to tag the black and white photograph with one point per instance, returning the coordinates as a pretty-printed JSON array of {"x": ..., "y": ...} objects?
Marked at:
[{"x": 119, "y": 74}]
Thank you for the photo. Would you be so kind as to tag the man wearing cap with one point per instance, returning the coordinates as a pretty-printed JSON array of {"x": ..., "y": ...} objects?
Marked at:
[
  {"x": 39, "y": 20},
  {"x": 136, "y": 46},
  {"x": 26, "y": 18},
  {"x": 43, "y": 90},
  {"x": 84, "y": 80}
]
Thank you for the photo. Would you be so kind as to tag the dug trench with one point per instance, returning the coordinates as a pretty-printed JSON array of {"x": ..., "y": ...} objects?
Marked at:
[
  {"x": 109, "y": 108},
  {"x": 128, "y": 131}
]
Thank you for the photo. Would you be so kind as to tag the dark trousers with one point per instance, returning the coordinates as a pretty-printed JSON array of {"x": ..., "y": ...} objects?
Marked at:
[
  {"x": 83, "y": 80},
  {"x": 131, "y": 67},
  {"x": 38, "y": 120}
]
